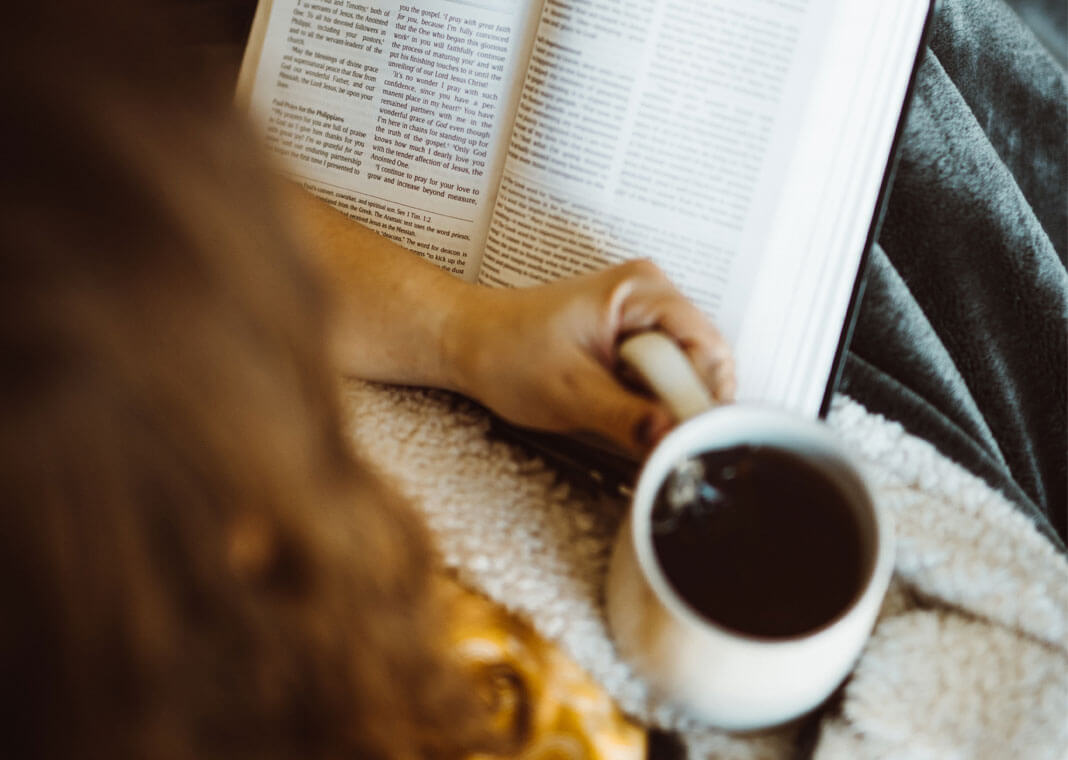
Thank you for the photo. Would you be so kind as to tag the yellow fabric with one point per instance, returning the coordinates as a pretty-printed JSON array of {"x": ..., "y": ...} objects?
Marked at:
[{"x": 553, "y": 708}]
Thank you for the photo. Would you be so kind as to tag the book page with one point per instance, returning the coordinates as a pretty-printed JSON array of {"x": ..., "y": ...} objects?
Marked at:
[
  {"x": 799, "y": 301},
  {"x": 392, "y": 111},
  {"x": 740, "y": 144},
  {"x": 652, "y": 129}
]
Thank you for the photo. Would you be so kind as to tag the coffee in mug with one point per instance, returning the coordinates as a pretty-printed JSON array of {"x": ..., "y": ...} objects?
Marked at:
[{"x": 757, "y": 540}]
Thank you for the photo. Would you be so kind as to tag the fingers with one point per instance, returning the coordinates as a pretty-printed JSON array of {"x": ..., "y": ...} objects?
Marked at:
[
  {"x": 704, "y": 345},
  {"x": 592, "y": 394},
  {"x": 644, "y": 298},
  {"x": 548, "y": 355}
]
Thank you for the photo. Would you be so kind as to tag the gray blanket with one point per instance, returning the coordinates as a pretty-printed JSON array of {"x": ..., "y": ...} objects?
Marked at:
[{"x": 961, "y": 335}]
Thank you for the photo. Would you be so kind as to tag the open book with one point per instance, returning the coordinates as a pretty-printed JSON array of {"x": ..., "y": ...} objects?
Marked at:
[{"x": 743, "y": 145}]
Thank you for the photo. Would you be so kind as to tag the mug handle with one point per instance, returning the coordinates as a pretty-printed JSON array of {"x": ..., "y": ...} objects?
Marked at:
[{"x": 668, "y": 372}]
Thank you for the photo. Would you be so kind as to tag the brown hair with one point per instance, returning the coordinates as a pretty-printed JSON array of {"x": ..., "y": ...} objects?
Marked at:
[{"x": 191, "y": 564}]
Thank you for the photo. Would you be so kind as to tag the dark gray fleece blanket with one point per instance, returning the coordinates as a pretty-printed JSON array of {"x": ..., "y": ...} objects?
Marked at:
[{"x": 961, "y": 335}]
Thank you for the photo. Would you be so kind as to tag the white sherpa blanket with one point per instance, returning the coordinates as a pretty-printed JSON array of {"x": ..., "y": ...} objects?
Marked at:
[{"x": 969, "y": 658}]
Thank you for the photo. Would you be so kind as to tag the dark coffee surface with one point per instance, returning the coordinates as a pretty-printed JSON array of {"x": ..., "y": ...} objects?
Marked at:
[{"x": 759, "y": 542}]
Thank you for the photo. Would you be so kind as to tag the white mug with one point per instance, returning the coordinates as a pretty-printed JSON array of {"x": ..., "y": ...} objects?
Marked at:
[{"x": 727, "y": 679}]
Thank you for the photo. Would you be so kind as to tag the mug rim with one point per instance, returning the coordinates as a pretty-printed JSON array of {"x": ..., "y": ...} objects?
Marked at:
[{"x": 642, "y": 542}]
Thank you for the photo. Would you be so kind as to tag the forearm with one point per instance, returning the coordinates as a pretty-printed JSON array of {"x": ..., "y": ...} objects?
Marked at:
[
  {"x": 392, "y": 308},
  {"x": 541, "y": 356}
]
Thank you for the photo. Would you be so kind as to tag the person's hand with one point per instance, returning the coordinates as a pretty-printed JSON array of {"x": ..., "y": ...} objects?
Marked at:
[{"x": 545, "y": 357}]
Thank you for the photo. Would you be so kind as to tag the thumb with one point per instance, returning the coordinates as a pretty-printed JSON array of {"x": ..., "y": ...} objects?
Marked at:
[{"x": 599, "y": 402}]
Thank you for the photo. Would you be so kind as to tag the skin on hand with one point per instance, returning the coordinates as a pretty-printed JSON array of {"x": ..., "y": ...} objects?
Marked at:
[
  {"x": 543, "y": 357},
  {"x": 546, "y": 357}
]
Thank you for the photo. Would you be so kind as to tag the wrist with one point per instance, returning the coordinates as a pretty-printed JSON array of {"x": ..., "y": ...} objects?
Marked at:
[{"x": 462, "y": 351}]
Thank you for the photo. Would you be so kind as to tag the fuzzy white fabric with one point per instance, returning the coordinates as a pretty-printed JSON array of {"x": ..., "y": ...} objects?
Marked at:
[{"x": 969, "y": 658}]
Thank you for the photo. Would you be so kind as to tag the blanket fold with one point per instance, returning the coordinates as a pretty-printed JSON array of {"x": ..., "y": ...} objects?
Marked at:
[{"x": 962, "y": 332}]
